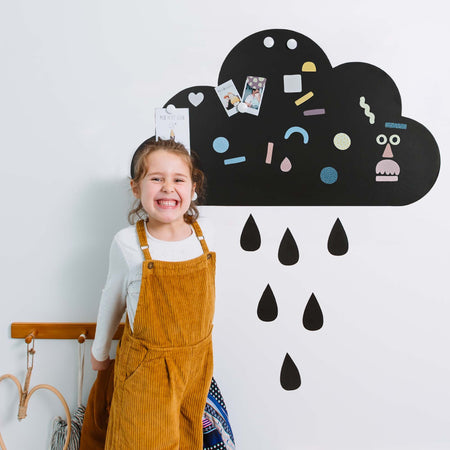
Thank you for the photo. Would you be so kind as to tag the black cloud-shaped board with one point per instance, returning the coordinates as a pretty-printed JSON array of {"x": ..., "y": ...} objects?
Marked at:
[{"x": 323, "y": 135}]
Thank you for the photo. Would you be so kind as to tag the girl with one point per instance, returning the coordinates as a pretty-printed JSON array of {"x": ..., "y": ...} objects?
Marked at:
[{"x": 162, "y": 273}]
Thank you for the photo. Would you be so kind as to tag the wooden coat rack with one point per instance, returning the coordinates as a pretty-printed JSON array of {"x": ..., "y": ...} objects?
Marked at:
[
  {"x": 57, "y": 330},
  {"x": 49, "y": 330}
]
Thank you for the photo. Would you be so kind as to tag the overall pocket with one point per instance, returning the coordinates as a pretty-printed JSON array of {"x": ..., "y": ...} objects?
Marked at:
[{"x": 136, "y": 356}]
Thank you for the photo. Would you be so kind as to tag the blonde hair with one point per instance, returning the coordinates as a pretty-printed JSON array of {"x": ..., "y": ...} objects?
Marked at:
[{"x": 139, "y": 168}]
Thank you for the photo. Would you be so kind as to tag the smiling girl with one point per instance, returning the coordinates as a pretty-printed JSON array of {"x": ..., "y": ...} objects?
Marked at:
[{"x": 162, "y": 274}]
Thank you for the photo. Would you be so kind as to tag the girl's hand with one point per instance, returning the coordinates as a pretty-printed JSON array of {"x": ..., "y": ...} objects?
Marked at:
[{"x": 99, "y": 365}]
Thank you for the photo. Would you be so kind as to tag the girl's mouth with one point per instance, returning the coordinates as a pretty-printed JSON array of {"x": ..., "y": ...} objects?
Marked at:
[{"x": 167, "y": 203}]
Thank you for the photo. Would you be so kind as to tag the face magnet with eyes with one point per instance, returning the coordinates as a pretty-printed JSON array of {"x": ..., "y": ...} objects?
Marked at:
[{"x": 387, "y": 169}]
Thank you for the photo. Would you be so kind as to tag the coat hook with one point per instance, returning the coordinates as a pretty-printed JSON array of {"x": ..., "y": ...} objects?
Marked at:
[
  {"x": 29, "y": 339},
  {"x": 82, "y": 337}
]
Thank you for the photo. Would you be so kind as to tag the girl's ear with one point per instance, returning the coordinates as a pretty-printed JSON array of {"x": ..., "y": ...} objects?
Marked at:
[
  {"x": 135, "y": 189},
  {"x": 194, "y": 185}
]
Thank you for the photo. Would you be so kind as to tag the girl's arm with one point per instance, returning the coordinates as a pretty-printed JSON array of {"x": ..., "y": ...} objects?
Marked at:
[
  {"x": 111, "y": 309},
  {"x": 99, "y": 365}
]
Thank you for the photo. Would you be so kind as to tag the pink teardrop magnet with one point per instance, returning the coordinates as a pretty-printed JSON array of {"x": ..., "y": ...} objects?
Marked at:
[{"x": 286, "y": 165}]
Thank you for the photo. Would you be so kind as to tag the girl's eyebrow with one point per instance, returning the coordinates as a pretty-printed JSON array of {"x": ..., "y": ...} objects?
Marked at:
[{"x": 175, "y": 174}]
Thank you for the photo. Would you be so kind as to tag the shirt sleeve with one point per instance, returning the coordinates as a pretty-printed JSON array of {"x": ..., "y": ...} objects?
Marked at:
[{"x": 112, "y": 303}]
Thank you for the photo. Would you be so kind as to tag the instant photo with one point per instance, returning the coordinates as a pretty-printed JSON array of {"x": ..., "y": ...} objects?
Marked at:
[
  {"x": 229, "y": 97},
  {"x": 253, "y": 94}
]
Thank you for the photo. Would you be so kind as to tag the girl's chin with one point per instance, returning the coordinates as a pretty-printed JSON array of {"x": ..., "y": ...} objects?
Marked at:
[{"x": 166, "y": 218}]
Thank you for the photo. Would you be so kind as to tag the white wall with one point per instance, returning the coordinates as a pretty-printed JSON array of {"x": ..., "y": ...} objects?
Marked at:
[{"x": 79, "y": 82}]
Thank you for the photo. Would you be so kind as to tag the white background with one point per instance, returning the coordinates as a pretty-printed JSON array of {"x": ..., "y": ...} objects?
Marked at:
[{"x": 79, "y": 83}]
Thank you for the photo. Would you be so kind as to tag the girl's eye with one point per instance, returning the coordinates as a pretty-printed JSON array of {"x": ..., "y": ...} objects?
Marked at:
[
  {"x": 179, "y": 180},
  {"x": 155, "y": 179}
]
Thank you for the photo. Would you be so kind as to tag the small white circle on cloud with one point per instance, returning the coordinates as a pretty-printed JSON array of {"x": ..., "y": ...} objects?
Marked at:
[
  {"x": 291, "y": 44},
  {"x": 269, "y": 42}
]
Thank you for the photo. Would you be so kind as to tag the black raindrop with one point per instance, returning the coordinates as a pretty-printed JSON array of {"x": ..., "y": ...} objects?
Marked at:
[
  {"x": 250, "y": 237},
  {"x": 267, "y": 306},
  {"x": 337, "y": 241},
  {"x": 289, "y": 376},
  {"x": 288, "y": 250},
  {"x": 313, "y": 317}
]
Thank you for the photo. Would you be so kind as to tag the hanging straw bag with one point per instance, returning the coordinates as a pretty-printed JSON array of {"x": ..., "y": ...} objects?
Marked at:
[{"x": 59, "y": 424}]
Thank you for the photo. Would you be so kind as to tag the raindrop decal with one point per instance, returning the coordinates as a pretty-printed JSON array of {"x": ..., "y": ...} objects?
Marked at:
[
  {"x": 288, "y": 250},
  {"x": 289, "y": 376},
  {"x": 313, "y": 317},
  {"x": 267, "y": 306},
  {"x": 337, "y": 241},
  {"x": 250, "y": 237}
]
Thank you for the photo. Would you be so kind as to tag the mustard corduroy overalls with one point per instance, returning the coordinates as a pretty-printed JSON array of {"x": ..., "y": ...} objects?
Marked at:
[{"x": 164, "y": 367}]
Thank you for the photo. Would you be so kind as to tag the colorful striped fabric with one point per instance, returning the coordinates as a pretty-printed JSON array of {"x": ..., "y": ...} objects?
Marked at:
[{"x": 217, "y": 433}]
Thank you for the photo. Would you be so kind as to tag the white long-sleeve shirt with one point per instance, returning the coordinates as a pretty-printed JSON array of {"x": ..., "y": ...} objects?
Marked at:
[{"x": 123, "y": 283}]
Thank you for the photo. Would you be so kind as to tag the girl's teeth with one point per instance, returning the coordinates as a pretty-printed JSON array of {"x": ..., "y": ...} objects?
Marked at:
[{"x": 167, "y": 203}]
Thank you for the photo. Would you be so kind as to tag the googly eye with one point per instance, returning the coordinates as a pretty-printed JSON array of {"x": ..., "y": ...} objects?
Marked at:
[
  {"x": 381, "y": 139},
  {"x": 394, "y": 139}
]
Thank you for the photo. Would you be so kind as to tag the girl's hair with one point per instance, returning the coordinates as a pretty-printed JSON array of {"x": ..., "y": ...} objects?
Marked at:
[{"x": 139, "y": 169}]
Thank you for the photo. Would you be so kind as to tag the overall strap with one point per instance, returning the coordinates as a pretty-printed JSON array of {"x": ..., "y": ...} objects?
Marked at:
[
  {"x": 199, "y": 233},
  {"x": 142, "y": 235}
]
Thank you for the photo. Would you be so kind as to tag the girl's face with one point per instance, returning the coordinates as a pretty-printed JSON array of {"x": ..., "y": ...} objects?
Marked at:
[{"x": 166, "y": 190}]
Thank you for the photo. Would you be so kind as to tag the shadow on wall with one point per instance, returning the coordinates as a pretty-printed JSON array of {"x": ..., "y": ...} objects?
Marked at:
[{"x": 100, "y": 213}]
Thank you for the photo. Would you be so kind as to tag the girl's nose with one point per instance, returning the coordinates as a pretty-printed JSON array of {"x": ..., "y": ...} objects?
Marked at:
[{"x": 167, "y": 187}]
